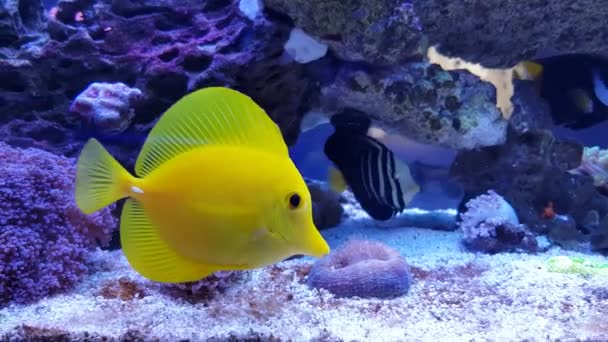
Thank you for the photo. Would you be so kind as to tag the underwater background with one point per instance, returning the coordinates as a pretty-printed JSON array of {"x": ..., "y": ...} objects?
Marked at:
[{"x": 455, "y": 153}]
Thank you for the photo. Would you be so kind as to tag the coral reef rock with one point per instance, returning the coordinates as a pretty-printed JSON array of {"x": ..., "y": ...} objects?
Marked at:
[
  {"x": 530, "y": 111},
  {"x": 499, "y": 33},
  {"x": 423, "y": 102},
  {"x": 327, "y": 211},
  {"x": 22, "y": 25},
  {"x": 303, "y": 48},
  {"x": 595, "y": 164},
  {"x": 491, "y": 225},
  {"x": 44, "y": 237},
  {"x": 378, "y": 32},
  {"x": 531, "y": 171},
  {"x": 363, "y": 269},
  {"x": 164, "y": 48}
]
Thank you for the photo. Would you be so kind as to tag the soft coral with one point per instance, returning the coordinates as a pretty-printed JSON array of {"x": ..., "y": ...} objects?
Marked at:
[{"x": 43, "y": 236}]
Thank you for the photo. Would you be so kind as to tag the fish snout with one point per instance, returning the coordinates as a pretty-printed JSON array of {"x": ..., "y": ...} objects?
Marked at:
[{"x": 315, "y": 245}]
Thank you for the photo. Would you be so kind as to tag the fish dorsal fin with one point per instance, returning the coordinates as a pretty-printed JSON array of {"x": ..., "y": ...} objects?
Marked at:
[{"x": 213, "y": 115}]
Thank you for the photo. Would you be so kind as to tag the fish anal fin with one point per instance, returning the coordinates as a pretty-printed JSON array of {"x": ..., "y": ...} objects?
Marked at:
[
  {"x": 149, "y": 255},
  {"x": 213, "y": 115}
]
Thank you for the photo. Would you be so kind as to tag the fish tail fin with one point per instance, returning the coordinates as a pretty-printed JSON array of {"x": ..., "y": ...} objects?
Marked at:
[
  {"x": 409, "y": 186},
  {"x": 100, "y": 179}
]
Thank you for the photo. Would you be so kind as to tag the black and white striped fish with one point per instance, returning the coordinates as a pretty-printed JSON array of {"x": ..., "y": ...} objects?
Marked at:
[{"x": 382, "y": 184}]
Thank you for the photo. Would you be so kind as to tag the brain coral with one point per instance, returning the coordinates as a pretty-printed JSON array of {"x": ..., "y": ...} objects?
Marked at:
[
  {"x": 43, "y": 236},
  {"x": 362, "y": 268}
]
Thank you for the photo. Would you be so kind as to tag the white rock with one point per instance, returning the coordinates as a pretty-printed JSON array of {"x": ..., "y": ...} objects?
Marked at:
[
  {"x": 251, "y": 8},
  {"x": 304, "y": 48}
]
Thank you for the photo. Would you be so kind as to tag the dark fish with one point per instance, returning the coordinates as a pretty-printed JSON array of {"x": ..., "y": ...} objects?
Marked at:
[
  {"x": 575, "y": 87},
  {"x": 381, "y": 183}
]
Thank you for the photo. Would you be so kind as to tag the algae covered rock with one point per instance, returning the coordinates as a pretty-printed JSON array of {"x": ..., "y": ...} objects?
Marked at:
[
  {"x": 377, "y": 32},
  {"x": 499, "y": 33},
  {"x": 423, "y": 102}
]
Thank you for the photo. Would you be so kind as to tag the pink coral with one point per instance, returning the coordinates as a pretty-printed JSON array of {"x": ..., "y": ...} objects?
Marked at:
[
  {"x": 43, "y": 236},
  {"x": 107, "y": 106},
  {"x": 362, "y": 268}
]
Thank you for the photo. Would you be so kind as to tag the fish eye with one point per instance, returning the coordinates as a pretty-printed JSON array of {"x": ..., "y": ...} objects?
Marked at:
[{"x": 294, "y": 201}]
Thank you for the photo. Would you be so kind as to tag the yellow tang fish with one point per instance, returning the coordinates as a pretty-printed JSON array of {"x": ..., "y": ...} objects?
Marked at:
[{"x": 214, "y": 190}]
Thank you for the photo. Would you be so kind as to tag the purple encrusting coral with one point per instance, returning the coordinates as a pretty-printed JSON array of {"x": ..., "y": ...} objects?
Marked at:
[
  {"x": 43, "y": 235},
  {"x": 362, "y": 268}
]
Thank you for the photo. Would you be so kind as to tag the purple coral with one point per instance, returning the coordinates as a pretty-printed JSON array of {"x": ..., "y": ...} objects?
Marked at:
[
  {"x": 491, "y": 225},
  {"x": 107, "y": 106},
  {"x": 43, "y": 236},
  {"x": 364, "y": 269}
]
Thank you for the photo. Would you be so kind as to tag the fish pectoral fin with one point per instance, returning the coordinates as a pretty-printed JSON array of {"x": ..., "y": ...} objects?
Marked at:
[
  {"x": 149, "y": 255},
  {"x": 213, "y": 115}
]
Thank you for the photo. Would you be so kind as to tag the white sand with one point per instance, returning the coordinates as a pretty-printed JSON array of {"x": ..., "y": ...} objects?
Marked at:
[{"x": 456, "y": 296}]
